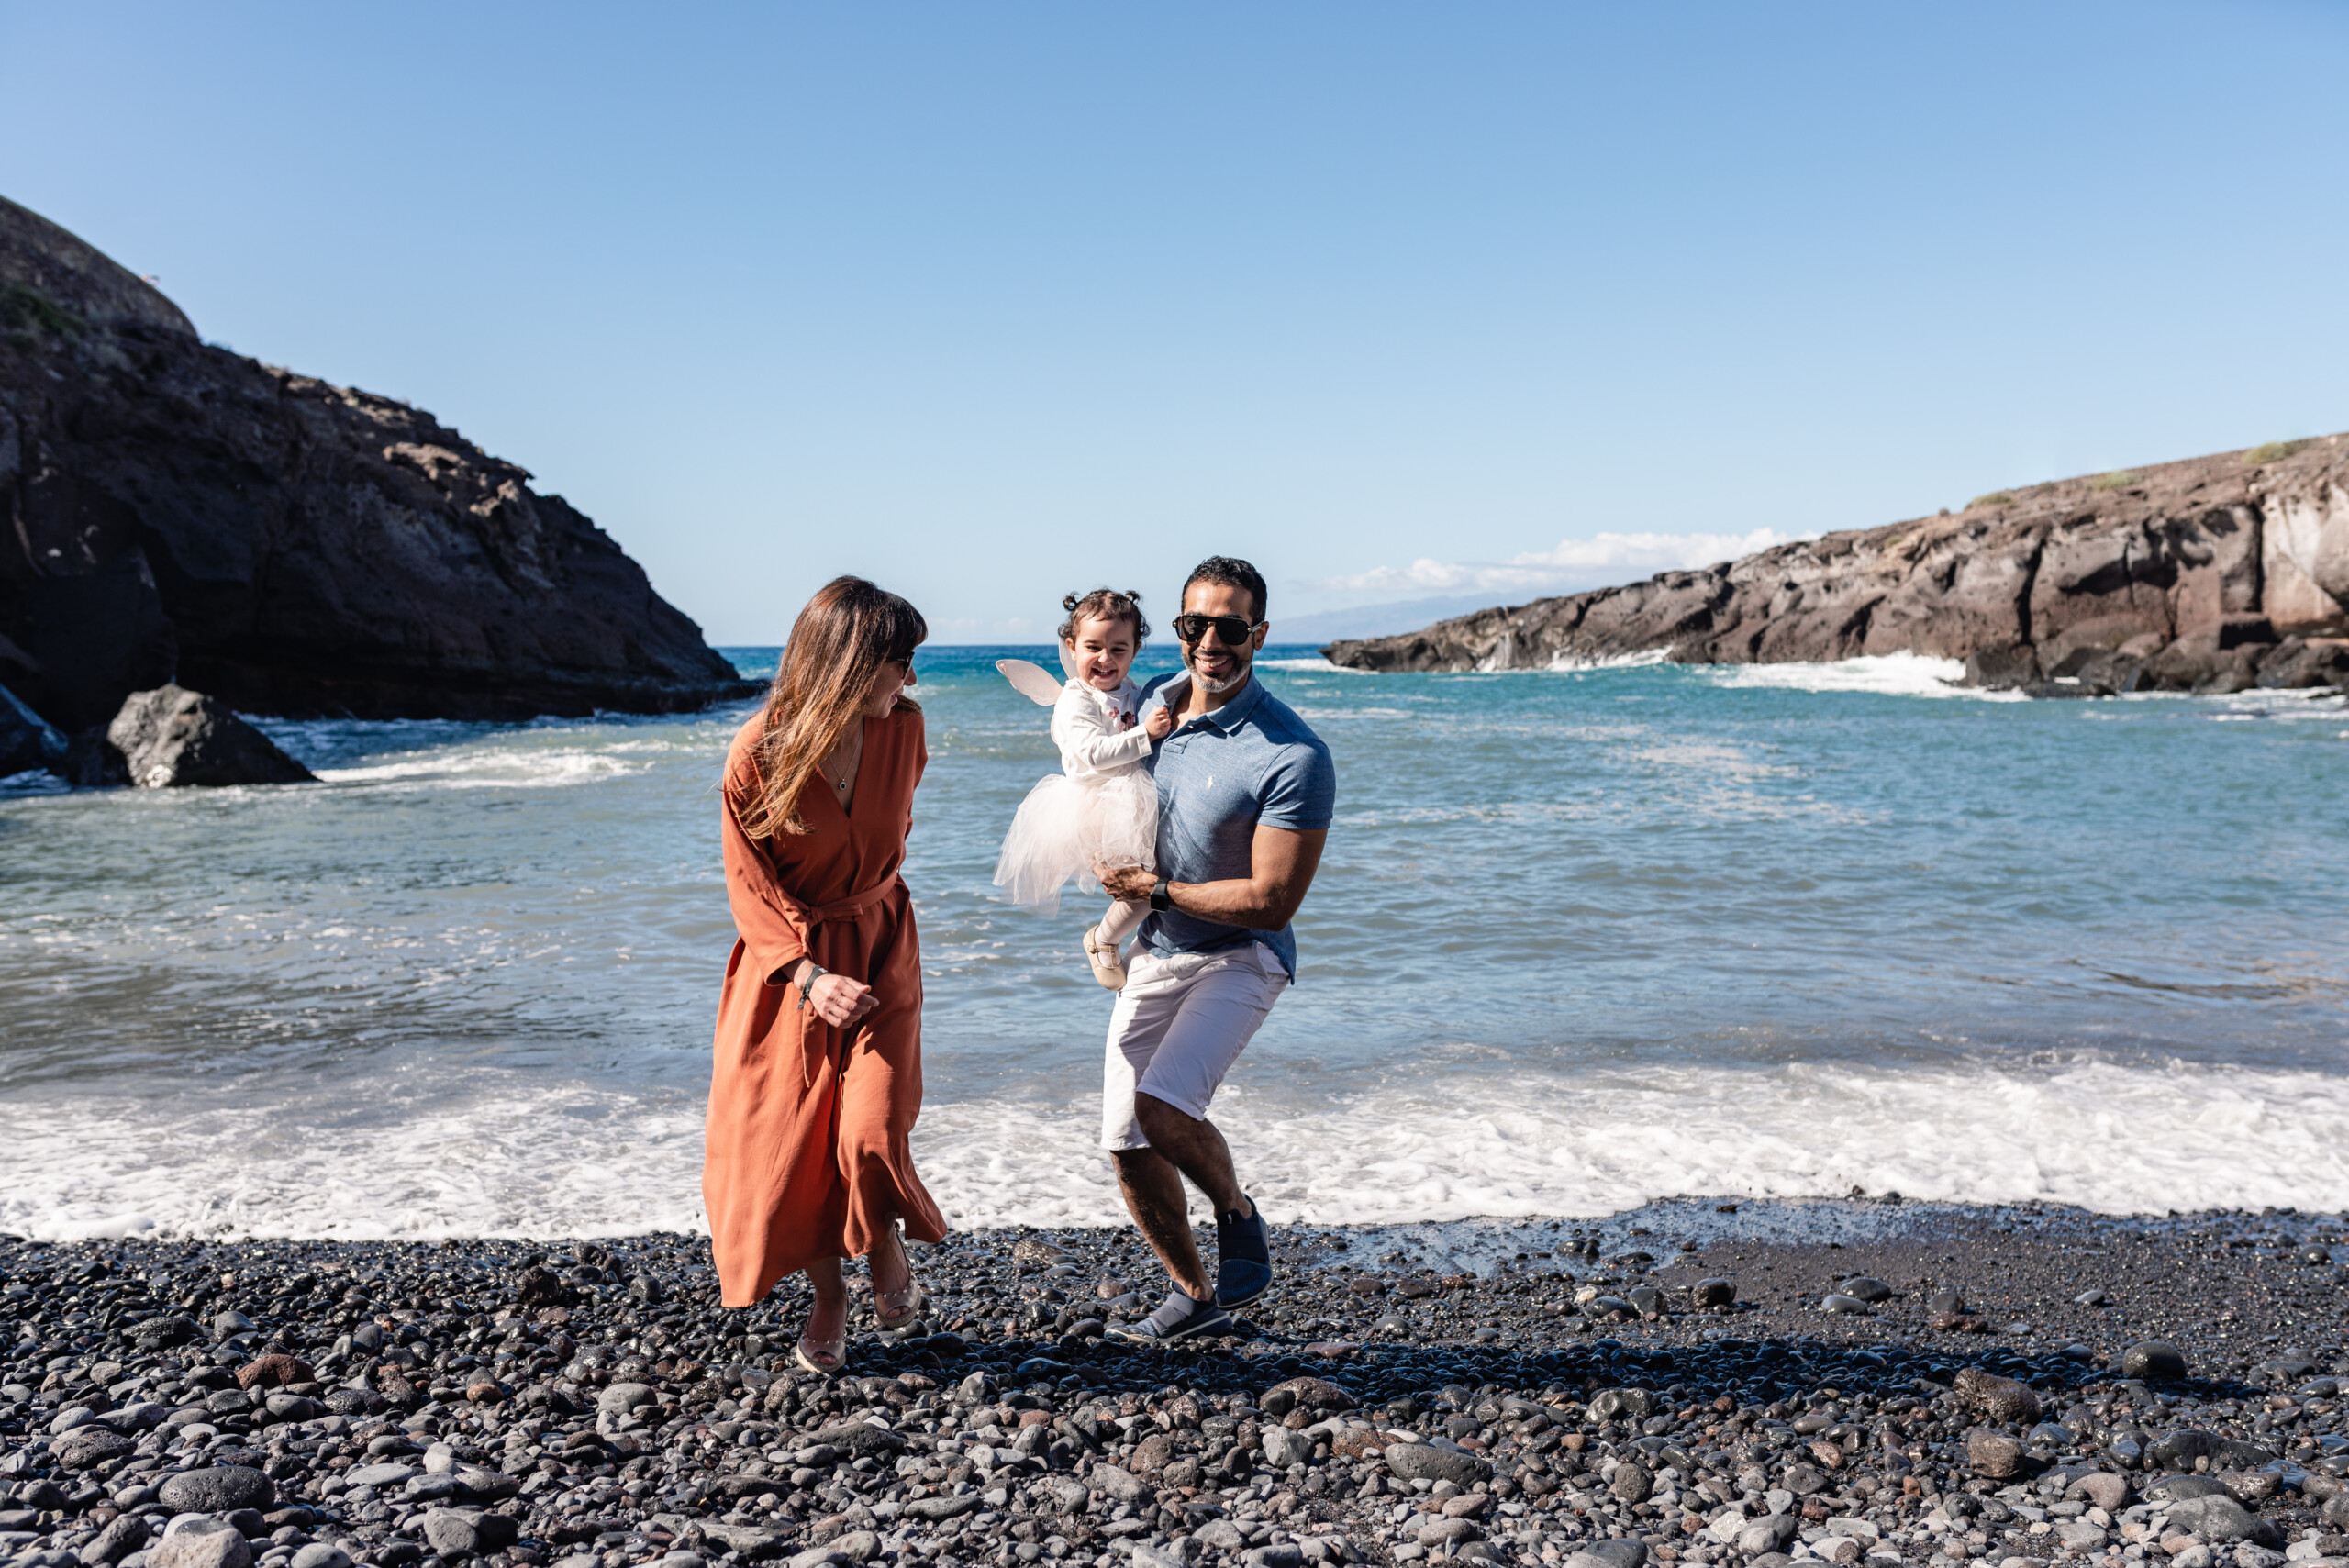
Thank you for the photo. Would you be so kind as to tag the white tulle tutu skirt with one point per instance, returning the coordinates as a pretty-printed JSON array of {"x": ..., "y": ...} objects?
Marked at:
[{"x": 1065, "y": 828}]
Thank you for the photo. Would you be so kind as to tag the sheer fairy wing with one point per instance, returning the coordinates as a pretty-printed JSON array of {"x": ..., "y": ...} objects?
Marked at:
[{"x": 1030, "y": 681}]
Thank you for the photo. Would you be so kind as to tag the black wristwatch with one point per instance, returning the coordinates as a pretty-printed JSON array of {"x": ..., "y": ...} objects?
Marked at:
[
  {"x": 1159, "y": 897},
  {"x": 806, "y": 983}
]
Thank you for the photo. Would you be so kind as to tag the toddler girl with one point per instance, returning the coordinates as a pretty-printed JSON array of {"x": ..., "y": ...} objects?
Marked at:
[{"x": 1101, "y": 808}]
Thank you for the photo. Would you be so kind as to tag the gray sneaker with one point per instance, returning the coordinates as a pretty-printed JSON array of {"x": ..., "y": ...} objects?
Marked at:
[
  {"x": 1177, "y": 1318},
  {"x": 1243, "y": 1258}
]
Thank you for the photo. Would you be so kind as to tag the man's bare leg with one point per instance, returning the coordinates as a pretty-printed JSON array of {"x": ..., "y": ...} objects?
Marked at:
[
  {"x": 1150, "y": 1180},
  {"x": 1152, "y": 1189}
]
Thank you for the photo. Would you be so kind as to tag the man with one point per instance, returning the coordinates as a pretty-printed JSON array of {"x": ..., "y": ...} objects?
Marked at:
[{"x": 1245, "y": 795}]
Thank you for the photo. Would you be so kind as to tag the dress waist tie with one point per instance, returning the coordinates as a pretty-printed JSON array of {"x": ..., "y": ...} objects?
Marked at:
[{"x": 852, "y": 907}]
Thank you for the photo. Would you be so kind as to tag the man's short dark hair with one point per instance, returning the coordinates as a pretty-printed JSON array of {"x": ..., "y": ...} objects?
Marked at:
[{"x": 1229, "y": 572}]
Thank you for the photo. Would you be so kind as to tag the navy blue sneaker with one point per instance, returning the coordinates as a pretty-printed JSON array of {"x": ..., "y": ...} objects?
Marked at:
[
  {"x": 1178, "y": 1318},
  {"x": 1243, "y": 1258}
]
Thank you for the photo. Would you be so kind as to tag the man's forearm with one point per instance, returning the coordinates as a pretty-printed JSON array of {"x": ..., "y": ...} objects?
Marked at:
[
  {"x": 1285, "y": 861},
  {"x": 1239, "y": 902}
]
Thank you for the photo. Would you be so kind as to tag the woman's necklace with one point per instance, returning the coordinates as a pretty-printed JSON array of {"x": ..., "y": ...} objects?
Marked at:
[{"x": 840, "y": 769}]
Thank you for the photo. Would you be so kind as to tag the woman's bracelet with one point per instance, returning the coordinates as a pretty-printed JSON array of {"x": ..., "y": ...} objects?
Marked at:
[{"x": 806, "y": 983}]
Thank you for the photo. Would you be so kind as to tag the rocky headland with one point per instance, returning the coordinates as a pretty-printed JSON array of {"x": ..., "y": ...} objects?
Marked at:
[
  {"x": 180, "y": 512},
  {"x": 2214, "y": 574},
  {"x": 1863, "y": 1382}
]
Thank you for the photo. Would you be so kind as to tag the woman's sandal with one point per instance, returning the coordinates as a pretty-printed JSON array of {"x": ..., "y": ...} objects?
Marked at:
[
  {"x": 895, "y": 1308},
  {"x": 824, "y": 1358}
]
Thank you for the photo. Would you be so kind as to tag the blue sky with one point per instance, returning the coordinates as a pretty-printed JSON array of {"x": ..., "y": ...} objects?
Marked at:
[{"x": 994, "y": 302}]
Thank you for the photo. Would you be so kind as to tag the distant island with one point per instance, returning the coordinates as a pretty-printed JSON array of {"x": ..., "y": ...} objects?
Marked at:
[
  {"x": 2213, "y": 574},
  {"x": 289, "y": 547}
]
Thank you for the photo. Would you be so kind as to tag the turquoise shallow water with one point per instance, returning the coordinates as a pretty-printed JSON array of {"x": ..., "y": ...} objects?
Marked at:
[{"x": 1581, "y": 939}]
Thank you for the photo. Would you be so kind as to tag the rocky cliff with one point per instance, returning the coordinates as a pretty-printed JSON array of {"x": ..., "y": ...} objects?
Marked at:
[
  {"x": 179, "y": 512},
  {"x": 2212, "y": 574}
]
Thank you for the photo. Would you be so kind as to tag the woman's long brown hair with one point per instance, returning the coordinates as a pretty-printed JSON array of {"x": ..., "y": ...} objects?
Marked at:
[{"x": 847, "y": 632}]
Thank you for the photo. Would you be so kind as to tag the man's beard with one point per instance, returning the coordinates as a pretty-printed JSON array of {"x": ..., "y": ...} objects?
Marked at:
[{"x": 1218, "y": 687}]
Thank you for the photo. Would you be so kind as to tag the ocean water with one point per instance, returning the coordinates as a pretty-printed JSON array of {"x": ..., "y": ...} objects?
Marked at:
[{"x": 1582, "y": 940}]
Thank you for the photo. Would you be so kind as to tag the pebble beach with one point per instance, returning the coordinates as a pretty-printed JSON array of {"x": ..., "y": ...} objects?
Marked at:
[{"x": 1700, "y": 1382}]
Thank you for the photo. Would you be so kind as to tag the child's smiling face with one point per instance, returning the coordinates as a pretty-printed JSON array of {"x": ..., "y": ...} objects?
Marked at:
[{"x": 1103, "y": 650}]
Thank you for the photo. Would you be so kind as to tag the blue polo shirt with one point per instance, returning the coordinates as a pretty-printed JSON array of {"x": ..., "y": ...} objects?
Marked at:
[{"x": 1251, "y": 762}]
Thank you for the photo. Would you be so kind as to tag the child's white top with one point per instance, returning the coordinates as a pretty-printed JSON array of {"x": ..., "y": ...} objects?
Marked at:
[{"x": 1097, "y": 731}]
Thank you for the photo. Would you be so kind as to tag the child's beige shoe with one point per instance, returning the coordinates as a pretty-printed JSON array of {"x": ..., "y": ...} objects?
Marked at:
[{"x": 1108, "y": 967}]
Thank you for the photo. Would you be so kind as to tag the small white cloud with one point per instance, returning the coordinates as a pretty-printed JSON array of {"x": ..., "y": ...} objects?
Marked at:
[{"x": 1573, "y": 564}]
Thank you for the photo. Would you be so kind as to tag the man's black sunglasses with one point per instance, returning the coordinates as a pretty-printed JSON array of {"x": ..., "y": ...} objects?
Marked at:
[{"x": 1233, "y": 630}]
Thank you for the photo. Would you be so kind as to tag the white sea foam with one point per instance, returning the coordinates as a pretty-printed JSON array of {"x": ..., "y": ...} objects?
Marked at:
[
  {"x": 536, "y": 1160},
  {"x": 1310, "y": 667},
  {"x": 2290, "y": 706},
  {"x": 1577, "y": 663},
  {"x": 497, "y": 768},
  {"x": 1887, "y": 675}
]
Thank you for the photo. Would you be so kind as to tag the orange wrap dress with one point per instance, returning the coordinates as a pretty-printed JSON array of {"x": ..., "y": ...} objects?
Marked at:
[{"x": 807, "y": 1152}]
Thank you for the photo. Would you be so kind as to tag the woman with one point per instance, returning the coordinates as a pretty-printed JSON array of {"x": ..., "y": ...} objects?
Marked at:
[{"x": 818, "y": 1073}]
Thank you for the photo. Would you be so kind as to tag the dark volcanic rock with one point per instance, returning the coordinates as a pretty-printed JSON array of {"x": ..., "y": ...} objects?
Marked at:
[
  {"x": 2217, "y": 1519},
  {"x": 2152, "y": 1360},
  {"x": 457, "y": 1532},
  {"x": 2192, "y": 575},
  {"x": 171, "y": 736},
  {"x": 275, "y": 1371},
  {"x": 217, "y": 1490},
  {"x": 1999, "y": 1458},
  {"x": 1713, "y": 1292},
  {"x": 2000, "y": 1398},
  {"x": 184, "y": 513},
  {"x": 124, "y": 1535},
  {"x": 87, "y": 1446},
  {"x": 165, "y": 1330},
  {"x": 538, "y": 1286},
  {"x": 1421, "y": 1462}
]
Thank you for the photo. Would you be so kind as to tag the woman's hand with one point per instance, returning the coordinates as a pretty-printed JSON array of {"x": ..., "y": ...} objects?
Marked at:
[
  {"x": 1159, "y": 724},
  {"x": 839, "y": 1001}
]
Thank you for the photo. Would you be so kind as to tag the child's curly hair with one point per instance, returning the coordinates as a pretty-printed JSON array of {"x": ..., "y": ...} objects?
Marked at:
[{"x": 1104, "y": 604}]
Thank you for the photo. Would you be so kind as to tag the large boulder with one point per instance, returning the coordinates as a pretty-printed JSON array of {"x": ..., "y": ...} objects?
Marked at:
[
  {"x": 181, "y": 513},
  {"x": 171, "y": 736}
]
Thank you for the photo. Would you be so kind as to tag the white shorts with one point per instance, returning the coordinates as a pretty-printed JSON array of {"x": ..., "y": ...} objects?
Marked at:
[{"x": 1181, "y": 1022}]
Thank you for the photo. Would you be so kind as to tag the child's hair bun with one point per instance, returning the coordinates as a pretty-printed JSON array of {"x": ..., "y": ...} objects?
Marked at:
[{"x": 1106, "y": 604}]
